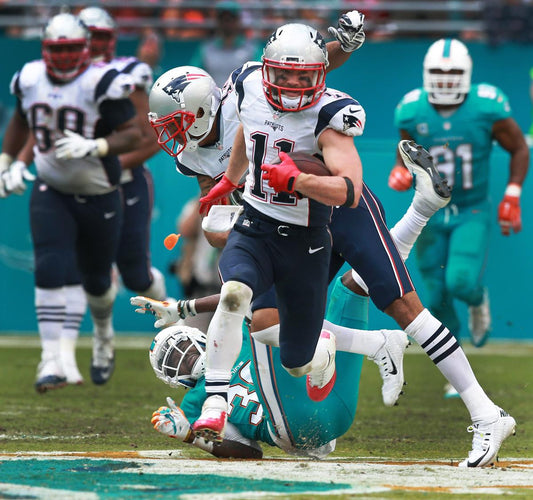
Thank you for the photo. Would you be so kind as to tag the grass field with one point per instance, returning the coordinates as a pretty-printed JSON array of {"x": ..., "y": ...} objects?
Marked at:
[{"x": 113, "y": 422}]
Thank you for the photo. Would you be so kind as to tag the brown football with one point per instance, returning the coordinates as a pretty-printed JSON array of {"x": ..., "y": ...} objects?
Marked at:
[{"x": 309, "y": 164}]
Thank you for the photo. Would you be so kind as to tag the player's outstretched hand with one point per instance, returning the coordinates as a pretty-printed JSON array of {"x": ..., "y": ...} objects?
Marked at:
[
  {"x": 400, "y": 179},
  {"x": 166, "y": 312},
  {"x": 509, "y": 215},
  {"x": 14, "y": 179},
  {"x": 349, "y": 31},
  {"x": 281, "y": 176},
  {"x": 171, "y": 420},
  {"x": 73, "y": 145},
  {"x": 217, "y": 195}
]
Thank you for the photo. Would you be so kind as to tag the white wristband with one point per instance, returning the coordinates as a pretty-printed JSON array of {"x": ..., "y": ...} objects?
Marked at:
[
  {"x": 513, "y": 190},
  {"x": 102, "y": 147}
]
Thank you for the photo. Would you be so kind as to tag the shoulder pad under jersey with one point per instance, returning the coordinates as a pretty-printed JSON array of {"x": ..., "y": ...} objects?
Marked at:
[
  {"x": 26, "y": 77},
  {"x": 140, "y": 72},
  {"x": 112, "y": 85}
]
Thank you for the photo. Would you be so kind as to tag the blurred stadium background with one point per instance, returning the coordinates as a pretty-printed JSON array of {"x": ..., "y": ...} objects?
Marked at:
[{"x": 498, "y": 33}]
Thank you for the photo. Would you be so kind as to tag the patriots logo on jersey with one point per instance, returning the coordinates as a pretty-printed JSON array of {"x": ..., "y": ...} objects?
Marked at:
[
  {"x": 350, "y": 121},
  {"x": 176, "y": 86}
]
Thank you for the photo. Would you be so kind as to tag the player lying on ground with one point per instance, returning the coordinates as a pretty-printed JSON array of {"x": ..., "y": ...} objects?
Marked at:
[{"x": 266, "y": 404}]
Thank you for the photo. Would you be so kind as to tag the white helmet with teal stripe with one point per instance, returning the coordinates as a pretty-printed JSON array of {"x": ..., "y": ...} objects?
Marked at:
[{"x": 447, "y": 72}]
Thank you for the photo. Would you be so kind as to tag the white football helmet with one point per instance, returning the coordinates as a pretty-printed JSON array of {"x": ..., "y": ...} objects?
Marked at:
[
  {"x": 183, "y": 103},
  {"x": 65, "y": 47},
  {"x": 103, "y": 32},
  {"x": 447, "y": 72},
  {"x": 177, "y": 355},
  {"x": 294, "y": 47}
]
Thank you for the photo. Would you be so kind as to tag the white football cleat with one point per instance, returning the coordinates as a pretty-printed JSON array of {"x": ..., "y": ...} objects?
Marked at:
[
  {"x": 103, "y": 360},
  {"x": 488, "y": 437},
  {"x": 389, "y": 359},
  {"x": 49, "y": 374},
  {"x": 211, "y": 424},
  {"x": 320, "y": 383},
  {"x": 479, "y": 321},
  {"x": 431, "y": 190}
]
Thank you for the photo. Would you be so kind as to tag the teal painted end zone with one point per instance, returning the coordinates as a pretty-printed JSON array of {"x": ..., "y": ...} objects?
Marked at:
[{"x": 122, "y": 479}]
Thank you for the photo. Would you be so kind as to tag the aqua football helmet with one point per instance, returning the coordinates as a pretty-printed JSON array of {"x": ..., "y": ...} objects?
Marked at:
[
  {"x": 183, "y": 103},
  {"x": 65, "y": 47},
  {"x": 300, "y": 51},
  {"x": 447, "y": 72},
  {"x": 103, "y": 32},
  {"x": 177, "y": 355}
]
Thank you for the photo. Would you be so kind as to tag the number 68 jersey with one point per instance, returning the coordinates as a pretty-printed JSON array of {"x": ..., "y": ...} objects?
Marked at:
[{"x": 81, "y": 106}]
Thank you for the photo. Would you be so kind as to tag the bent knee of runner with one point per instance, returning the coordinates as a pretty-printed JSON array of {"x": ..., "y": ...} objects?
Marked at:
[{"x": 235, "y": 297}]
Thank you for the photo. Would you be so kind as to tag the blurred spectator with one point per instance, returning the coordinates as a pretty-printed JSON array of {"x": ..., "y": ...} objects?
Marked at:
[
  {"x": 228, "y": 47},
  {"x": 150, "y": 51},
  {"x": 195, "y": 19},
  {"x": 508, "y": 20}
]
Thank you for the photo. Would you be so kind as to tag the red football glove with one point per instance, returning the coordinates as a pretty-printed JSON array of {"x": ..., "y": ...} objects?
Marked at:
[
  {"x": 400, "y": 179},
  {"x": 281, "y": 176},
  {"x": 217, "y": 195},
  {"x": 509, "y": 215}
]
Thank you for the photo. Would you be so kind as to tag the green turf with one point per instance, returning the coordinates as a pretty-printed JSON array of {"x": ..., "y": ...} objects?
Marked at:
[{"x": 116, "y": 417}]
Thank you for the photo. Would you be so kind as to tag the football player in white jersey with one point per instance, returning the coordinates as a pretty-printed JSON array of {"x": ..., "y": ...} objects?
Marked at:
[
  {"x": 133, "y": 258},
  {"x": 284, "y": 106},
  {"x": 80, "y": 118}
]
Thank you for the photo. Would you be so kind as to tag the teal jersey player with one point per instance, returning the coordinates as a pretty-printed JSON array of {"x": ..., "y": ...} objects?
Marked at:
[
  {"x": 460, "y": 143},
  {"x": 265, "y": 404},
  {"x": 457, "y": 122}
]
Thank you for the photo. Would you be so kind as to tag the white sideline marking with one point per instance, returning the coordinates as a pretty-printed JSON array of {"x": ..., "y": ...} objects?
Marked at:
[{"x": 143, "y": 341}]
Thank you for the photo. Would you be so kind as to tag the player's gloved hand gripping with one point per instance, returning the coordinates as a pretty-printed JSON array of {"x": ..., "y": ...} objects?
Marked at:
[
  {"x": 167, "y": 313},
  {"x": 400, "y": 179},
  {"x": 171, "y": 420},
  {"x": 509, "y": 213},
  {"x": 74, "y": 145},
  {"x": 14, "y": 179},
  {"x": 217, "y": 195},
  {"x": 349, "y": 31},
  {"x": 281, "y": 176}
]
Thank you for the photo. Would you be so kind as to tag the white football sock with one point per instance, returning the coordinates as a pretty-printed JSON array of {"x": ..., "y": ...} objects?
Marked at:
[
  {"x": 407, "y": 230},
  {"x": 75, "y": 308},
  {"x": 102, "y": 312},
  {"x": 50, "y": 308},
  {"x": 366, "y": 342},
  {"x": 224, "y": 336},
  {"x": 444, "y": 350}
]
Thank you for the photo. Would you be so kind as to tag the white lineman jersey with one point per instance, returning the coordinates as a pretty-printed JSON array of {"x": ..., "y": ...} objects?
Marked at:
[
  {"x": 139, "y": 71},
  {"x": 51, "y": 108},
  {"x": 268, "y": 131},
  {"x": 213, "y": 160}
]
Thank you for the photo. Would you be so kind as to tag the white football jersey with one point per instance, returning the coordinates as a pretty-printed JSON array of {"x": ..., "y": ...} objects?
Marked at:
[
  {"x": 140, "y": 72},
  {"x": 51, "y": 108},
  {"x": 213, "y": 160},
  {"x": 268, "y": 131}
]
